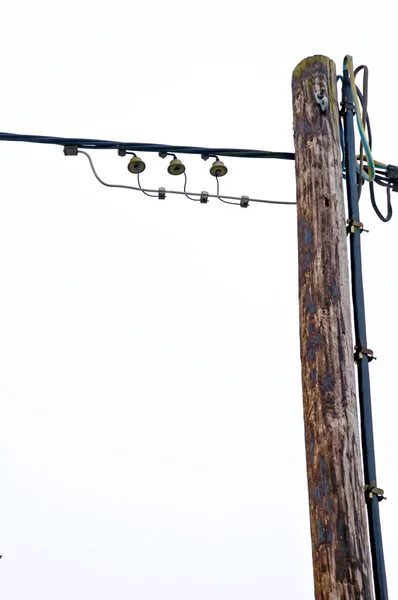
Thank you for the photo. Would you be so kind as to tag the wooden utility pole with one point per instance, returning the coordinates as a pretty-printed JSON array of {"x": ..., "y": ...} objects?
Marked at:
[{"x": 340, "y": 546}]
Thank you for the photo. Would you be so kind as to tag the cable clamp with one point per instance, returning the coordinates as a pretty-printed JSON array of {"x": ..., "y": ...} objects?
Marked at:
[
  {"x": 391, "y": 172},
  {"x": 322, "y": 99},
  {"x": 351, "y": 224},
  {"x": 244, "y": 201},
  {"x": 204, "y": 197},
  {"x": 346, "y": 106},
  {"x": 162, "y": 193},
  {"x": 70, "y": 150},
  {"x": 371, "y": 490},
  {"x": 360, "y": 352}
]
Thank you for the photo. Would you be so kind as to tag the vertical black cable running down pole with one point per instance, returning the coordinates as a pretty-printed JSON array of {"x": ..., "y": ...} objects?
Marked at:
[{"x": 369, "y": 464}]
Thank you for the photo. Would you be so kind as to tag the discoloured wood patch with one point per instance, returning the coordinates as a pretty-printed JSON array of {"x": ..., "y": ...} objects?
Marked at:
[{"x": 335, "y": 481}]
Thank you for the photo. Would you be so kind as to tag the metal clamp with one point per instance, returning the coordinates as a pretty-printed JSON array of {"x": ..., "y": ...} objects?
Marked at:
[
  {"x": 360, "y": 352},
  {"x": 204, "y": 197},
  {"x": 322, "y": 99},
  {"x": 346, "y": 106},
  {"x": 371, "y": 490},
  {"x": 351, "y": 224},
  {"x": 244, "y": 201},
  {"x": 162, "y": 193},
  {"x": 70, "y": 150},
  {"x": 392, "y": 172}
]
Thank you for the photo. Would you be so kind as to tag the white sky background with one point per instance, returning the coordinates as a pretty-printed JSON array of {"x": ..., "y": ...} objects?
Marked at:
[{"x": 151, "y": 431}]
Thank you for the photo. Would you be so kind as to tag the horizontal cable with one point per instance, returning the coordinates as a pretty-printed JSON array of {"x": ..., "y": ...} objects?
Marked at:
[
  {"x": 135, "y": 147},
  {"x": 182, "y": 193}
]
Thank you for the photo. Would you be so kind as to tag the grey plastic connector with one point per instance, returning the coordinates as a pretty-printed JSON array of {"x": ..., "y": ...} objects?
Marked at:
[
  {"x": 70, "y": 150},
  {"x": 204, "y": 197},
  {"x": 244, "y": 201}
]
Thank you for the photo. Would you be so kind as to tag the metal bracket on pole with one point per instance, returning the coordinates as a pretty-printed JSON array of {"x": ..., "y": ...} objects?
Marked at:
[
  {"x": 360, "y": 352},
  {"x": 351, "y": 224},
  {"x": 345, "y": 106},
  {"x": 322, "y": 99},
  {"x": 371, "y": 490}
]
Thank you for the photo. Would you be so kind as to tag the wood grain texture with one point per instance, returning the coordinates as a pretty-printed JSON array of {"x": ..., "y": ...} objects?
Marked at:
[{"x": 341, "y": 558}]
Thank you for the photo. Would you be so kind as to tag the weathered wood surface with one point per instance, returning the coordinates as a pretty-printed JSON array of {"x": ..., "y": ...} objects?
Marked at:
[{"x": 341, "y": 559}]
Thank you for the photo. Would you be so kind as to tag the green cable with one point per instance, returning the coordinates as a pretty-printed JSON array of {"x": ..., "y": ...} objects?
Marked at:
[{"x": 348, "y": 65}]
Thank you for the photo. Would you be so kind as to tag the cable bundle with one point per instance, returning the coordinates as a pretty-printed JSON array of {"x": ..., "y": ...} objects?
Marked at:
[{"x": 368, "y": 169}]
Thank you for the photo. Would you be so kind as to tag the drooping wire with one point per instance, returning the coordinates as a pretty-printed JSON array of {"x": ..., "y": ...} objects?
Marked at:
[
  {"x": 348, "y": 65},
  {"x": 178, "y": 192},
  {"x": 222, "y": 199},
  {"x": 364, "y": 168},
  {"x": 364, "y": 103},
  {"x": 142, "y": 189},
  {"x": 380, "y": 167},
  {"x": 185, "y": 190},
  {"x": 112, "y": 185},
  {"x": 383, "y": 218}
]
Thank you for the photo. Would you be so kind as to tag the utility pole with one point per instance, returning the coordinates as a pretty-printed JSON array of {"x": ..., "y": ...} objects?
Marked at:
[{"x": 339, "y": 534}]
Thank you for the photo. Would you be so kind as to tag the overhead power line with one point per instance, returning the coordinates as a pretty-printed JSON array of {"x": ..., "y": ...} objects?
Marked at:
[
  {"x": 368, "y": 169},
  {"x": 89, "y": 144},
  {"x": 160, "y": 193}
]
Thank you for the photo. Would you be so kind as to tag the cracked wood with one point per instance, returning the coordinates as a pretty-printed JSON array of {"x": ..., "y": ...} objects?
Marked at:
[{"x": 340, "y": 547}]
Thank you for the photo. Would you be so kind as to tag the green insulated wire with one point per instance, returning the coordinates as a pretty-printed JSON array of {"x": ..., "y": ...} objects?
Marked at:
[{"x": 370, "y": 175}]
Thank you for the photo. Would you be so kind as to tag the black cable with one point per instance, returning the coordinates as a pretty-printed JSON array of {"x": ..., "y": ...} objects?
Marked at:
[
  {"x": 164, "y": 191},
  {"x": 222, "y": 199},
  {"x": 370, "y": 139},
  {"x": 383, "y": 181},
  {"x": 383, "y": 218},
  {"x": 380, "y": 177},
  {"x": 185, "y": 190},
  {"x": 364, "y": 103},
  {"x": 137, "y": 147},
  {"x": 143, "y": 191},
  {"x": 368, "y": 450}
]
